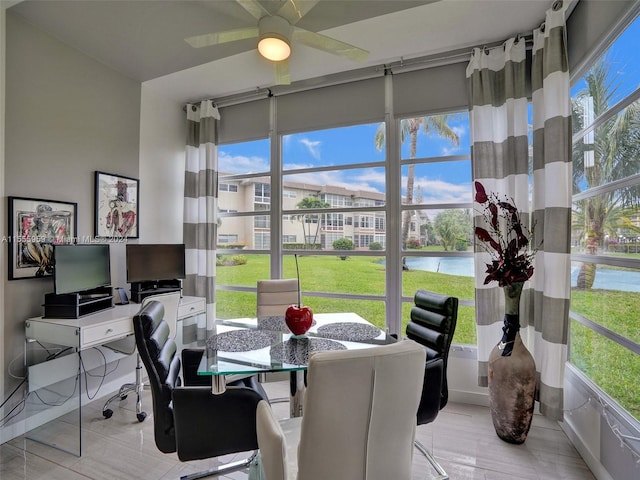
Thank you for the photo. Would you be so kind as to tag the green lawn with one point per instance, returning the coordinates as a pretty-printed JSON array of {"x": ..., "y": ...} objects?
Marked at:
[
  {"x": 614, "y": 368},
  {"x": 330, "y": 274}
]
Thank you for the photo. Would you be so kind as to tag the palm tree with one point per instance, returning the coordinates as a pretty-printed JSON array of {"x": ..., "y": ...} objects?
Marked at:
[
  {"x": 309, "y": 218},
  {"x": 409, "y": 128},
  {"x": 611, "y": 153}
]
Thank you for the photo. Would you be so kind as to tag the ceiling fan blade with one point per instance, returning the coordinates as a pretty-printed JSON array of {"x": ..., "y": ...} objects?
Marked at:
[
  {"x": 330, "y": 45},
  {"x": 254, "y": 8},
  {"x": 222, "y": 37},
  {"x": 281, "y": 71},
  {"x": 294, "y": 10}
]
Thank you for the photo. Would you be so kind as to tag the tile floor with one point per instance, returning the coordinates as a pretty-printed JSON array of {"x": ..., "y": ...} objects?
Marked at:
[{"x": 462, "y": 439}]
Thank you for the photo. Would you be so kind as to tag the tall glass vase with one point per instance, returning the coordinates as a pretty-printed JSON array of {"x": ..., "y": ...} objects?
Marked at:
[{"x": 512, "y": 375}]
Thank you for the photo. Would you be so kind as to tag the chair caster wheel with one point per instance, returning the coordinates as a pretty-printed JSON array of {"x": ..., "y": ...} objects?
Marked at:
[
  {"x": 141, "y": 416},
  {"x": 107, "y": 413}
]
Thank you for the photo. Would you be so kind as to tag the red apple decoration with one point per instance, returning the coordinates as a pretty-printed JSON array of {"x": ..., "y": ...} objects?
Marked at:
[{"x": 298, "y": 319}]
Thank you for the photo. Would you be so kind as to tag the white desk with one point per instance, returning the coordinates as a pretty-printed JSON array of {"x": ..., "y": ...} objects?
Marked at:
[
  {"x": 57, "y": 384},
  {"x": 99, "y": 328}
]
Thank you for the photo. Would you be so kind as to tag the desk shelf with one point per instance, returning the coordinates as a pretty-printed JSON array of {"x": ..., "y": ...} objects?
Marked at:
[{"x": 76, "y": 305}]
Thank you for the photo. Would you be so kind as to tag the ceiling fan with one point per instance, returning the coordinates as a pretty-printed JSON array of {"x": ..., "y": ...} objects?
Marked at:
[{"x": 276, "y": 33}]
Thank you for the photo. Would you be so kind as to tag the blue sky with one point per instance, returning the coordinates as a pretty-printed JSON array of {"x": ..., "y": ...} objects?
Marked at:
[
  {"x": 623, "y": 59},
  {"x": 448, "y": 181}
]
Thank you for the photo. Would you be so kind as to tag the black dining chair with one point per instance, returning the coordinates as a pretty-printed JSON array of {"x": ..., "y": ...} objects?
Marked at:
[
  {"x": 432, "y": 324},
  {"x": 192, "y": 421}
]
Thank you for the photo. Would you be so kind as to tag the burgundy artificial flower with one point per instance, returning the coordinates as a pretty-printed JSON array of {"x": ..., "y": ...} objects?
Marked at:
[
  {"x": 505, "y": 240},
  {"x": 481, "y": 196}
]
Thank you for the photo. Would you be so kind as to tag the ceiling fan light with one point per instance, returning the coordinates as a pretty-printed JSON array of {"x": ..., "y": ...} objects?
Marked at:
[
  {"x": 275, "y": 38},
  {"x": 274, "y": 49}
]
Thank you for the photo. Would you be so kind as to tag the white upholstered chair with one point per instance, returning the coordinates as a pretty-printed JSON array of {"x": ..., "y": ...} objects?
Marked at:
[
  {"x": 170, "y": 301},
  {"x": 359, "y": 418},
  {"x": 274, "y": 296}
]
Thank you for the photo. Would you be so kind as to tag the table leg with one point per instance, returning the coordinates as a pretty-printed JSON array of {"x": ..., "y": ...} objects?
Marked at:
[
  {"x": 218, "y": 384},
  {"x": 297, "y": 390}
]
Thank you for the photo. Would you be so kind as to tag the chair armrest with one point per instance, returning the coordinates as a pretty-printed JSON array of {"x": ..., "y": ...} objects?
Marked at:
[
  {"x": 190, "y": 360},
  {"x": 431, "y": 391},
  {"x": 208, "y": 425},
  {"x": 271, "y": 440}
]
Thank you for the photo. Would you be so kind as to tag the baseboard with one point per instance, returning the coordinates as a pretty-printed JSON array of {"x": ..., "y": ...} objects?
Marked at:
[{"x": 472, "y": 398}]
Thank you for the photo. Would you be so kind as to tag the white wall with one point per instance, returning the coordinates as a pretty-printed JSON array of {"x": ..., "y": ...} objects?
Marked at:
[
  {"x": 162, "y": 149},
  {"x": 3, "y": 252},
  {"x": 66, "y": 116}
]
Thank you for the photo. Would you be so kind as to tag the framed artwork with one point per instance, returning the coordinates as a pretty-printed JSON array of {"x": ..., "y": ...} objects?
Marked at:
[
  {"x": 35, "y": 226},
  {"x": 116, "y": 206}
]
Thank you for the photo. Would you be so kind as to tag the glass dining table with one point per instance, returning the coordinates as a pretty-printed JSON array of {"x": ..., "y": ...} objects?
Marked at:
[{"x": 248, "y": 346}]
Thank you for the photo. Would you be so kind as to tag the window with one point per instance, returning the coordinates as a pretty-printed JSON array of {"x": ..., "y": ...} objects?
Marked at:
[
  {"x": 333, "y": 221},
  {"x": 605, "y": 240},
  {"x": 228, "y": 187},
  {"x": 327, "y": 240},
  {"x": 262, "y": 193},
  {"x": 333, "y": 188},
  {"x": 227, "y": 239},
  {"x": 365, "y": 221},
  {"x": 262, "y": 241},
  {"x": 440, "y": 170},
  {"x": 337, "y": 200},
  {"x": 262, "y": 221},
  {"x": 364, "y": 240}
]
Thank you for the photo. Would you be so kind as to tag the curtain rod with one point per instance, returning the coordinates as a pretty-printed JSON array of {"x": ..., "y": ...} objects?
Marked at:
[{"x": 398, "y": 66}]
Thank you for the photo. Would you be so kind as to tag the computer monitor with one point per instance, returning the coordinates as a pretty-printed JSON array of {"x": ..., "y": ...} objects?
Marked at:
[
  {"x": 155, "y": 262},
  {"x": 79, "y": 268}
]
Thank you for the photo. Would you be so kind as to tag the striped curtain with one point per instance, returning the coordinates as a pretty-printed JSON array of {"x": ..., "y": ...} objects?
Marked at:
[
  {"x": 200, "y": 216},
  {"x": 498, "y": 122},
  {"x": 552, "y": 180},
  {"x": 497, "y": 82}
]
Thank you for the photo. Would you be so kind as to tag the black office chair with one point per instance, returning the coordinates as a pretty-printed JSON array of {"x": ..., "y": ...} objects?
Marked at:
[
  {"x": 432, "y": 324},
  {"x": 192, "y": 421}
]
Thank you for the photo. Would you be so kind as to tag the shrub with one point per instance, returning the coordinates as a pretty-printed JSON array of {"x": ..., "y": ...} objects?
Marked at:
[
  {"x": 223, "y": 261},
  {"x": 302, "y": 246},
  {"x": 413, "y": 243},
  {"x": 239, "y": 260},
  {"x": 461, "y": 245},
  {"x": 230, "y": 246},
  {"x": 375, "y": 246},
  {"x": 343, "y": 244}
]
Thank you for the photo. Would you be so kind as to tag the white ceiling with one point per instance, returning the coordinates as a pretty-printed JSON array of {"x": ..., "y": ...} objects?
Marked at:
[{"x": 145, "y": 39}]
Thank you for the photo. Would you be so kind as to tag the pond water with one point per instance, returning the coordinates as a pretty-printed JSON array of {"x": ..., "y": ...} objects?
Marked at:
[
  {"x": 462, "y": 266},
  {"x": 606, "y": 278}
]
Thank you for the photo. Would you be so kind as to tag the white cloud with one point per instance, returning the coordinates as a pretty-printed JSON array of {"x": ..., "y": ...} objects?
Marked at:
[
  {"x": 241, "y": 164},
  {"x": 372, "y": 176},
  {"x": 460, "y": 130},
  {"x": 296, "y": 166},
  {"x": 337, "y": 179},
  {"x": 439, "y": 191},
  {"x": 313, "y": 146}
]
